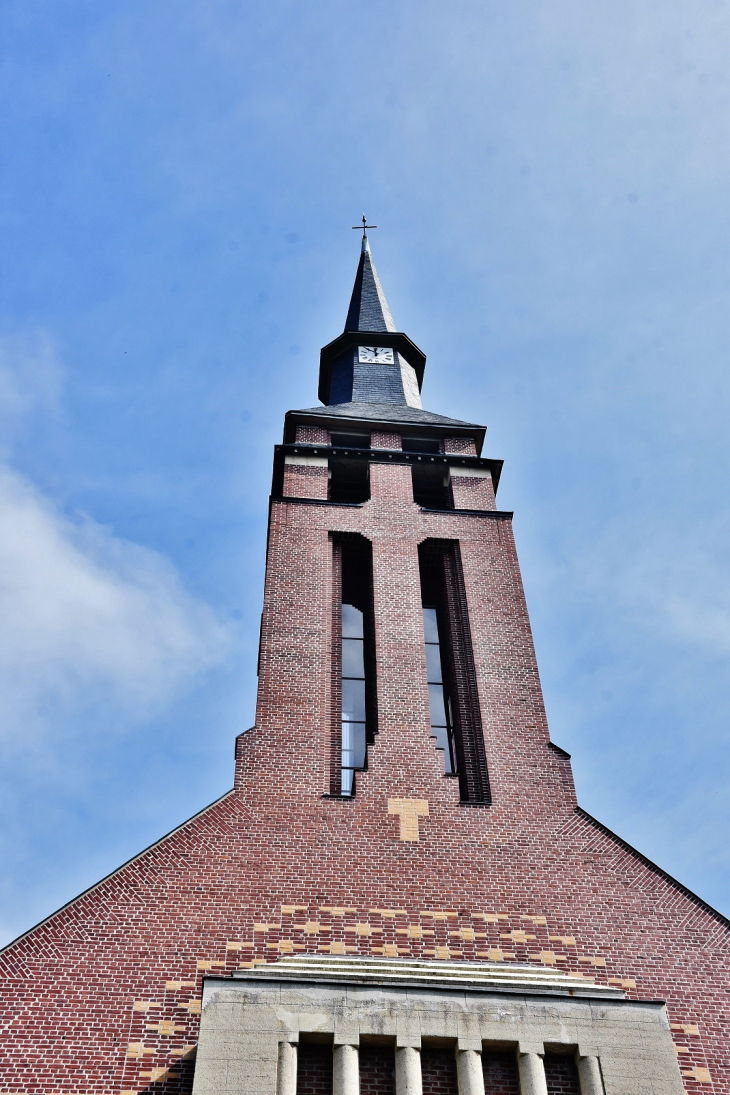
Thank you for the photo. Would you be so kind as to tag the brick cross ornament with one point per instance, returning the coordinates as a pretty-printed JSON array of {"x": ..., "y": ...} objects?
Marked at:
[{"x": 409, "y": 810}]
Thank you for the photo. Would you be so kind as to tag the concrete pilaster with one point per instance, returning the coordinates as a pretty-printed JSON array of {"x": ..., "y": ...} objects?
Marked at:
[
  {"x": 532, "y": 1074},
  {"x": 286, "y": 1075},
  {"x": 469, "y": 1073},
  {"x": 408, "y": 1079},
  {"x": 589, "y": 1074},
  {"x": 346, "y": 1071}
]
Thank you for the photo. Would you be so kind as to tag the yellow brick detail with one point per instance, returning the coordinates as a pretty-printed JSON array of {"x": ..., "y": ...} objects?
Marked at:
[
  {"x": 165, "y": 1026},
  {"x": 566, "y": 940},
  {"x": 688, "y": 1028},
  {"x": 158, "y": 1074},
  {"x": 495, "y": 954},
  {"x": 193, "y": 1006},
  {"x": 409, "y": 810},
  {"x": 702, "y": 1075},
  {"x": 209, "y": 964},
  {"x": 592, "y": 961},
  {"x": 536, "y": 919},
  {"x": 548, "y": 958},
  {"x": 145, "y": 1005},
  {"x": 137, "y": 1049},
  {"x": 414, "y": 931},
  {"x": 174, "y": 986},
  {"x": 517, "y": 936}
]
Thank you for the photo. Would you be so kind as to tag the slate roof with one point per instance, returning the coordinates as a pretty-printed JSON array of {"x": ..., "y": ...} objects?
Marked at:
[
  {"x": 387, "y": 412},
  {"x": 368, "y": 309},
  {"x": 381, "y": 385}
]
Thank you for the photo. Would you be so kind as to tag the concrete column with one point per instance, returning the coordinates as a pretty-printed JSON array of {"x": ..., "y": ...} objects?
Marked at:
[
  {"x": 346, "y": 1071},
  {"x": 408, "y": 1071},
  {"x": 532, "y": 1074},
  {"x": 286, "y": 1076},
  {"x": 469, "y": 1075},
  {"x": 589, "y": 1074}
]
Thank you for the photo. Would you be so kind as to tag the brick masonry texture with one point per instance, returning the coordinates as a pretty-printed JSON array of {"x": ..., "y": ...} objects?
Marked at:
[
  {"x": 500, "y": 1074},
  {"x": 377, "y": 1070},
  {"x": 301, "y": 481},
  {"x": 561, "y": 1075},
  {"x": 381, "y": 440},
  {"x": 462, "y": 446},
  {"x": 312, "y": 435},
  {"x": 438, "y": 1068},
  {"x": 472, "y": 493},
  {"x": 314, "y": 1071},
  {"x": 104, "y": 996}
]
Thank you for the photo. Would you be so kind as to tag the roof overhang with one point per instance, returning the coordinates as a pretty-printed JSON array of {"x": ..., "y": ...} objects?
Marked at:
[{"x": 366, "y": 423}]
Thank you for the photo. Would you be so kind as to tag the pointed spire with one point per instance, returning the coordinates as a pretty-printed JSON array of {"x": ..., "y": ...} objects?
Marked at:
[{"x": 369, "y": 309}]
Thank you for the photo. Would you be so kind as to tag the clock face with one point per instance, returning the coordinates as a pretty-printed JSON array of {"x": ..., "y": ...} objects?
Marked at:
[{"x": 382, "y": 354}]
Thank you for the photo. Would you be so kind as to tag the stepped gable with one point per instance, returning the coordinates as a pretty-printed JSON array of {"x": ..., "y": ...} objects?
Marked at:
[{"x": 390, "y": 842}]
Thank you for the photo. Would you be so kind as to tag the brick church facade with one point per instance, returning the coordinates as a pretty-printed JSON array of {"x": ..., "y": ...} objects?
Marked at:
[{"x": 401, "y": 893}]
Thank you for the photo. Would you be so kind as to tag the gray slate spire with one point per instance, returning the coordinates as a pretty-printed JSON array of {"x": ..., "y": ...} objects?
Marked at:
[
  {"x": 371, "y": 362},
  {"x": 369, "y": 309}
]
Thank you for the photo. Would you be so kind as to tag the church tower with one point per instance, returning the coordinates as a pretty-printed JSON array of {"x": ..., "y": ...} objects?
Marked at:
[{"x": 400, "y": 895}]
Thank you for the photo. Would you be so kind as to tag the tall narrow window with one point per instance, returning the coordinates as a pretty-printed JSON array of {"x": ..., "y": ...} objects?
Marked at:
[
  {"x": 452, "y": 686},
  {"x": 438, "y": 699},
  {"x": 354, "y": 721}
]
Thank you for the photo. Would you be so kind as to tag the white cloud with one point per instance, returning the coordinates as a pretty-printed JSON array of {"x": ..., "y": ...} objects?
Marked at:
[
  {"x": 88, "y": 618},
  {"x": 85, "y": 611}
]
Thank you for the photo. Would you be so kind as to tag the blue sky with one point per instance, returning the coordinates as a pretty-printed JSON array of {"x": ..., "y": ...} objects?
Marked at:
[{"x": 550, "y": 179}]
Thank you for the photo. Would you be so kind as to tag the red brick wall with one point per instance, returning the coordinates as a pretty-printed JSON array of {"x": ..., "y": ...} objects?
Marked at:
[
  {"x": 461, "y": 446},
  {"x": 438, "y": 1067},
  {"x": 500, "y": 1073},
  {"x": 377, "y": 1070},
  {"x": 314, "y": 1070},
  {"x": 561, "y": 1074},
  {"x": 312, "y": 435},
  {"x": 382, "y": 440},
  {"x": 470, "y": 492},
  {"x": 104, "y": 996},
  {"x": 305, "y": 481}
]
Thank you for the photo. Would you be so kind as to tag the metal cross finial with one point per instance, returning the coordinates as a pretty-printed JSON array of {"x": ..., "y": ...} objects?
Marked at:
[{"x": 365, "y": 227}]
